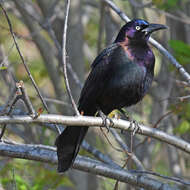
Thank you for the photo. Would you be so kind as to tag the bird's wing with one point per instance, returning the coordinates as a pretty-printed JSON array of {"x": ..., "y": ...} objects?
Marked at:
[
  {"x": 96, "y": 80},
  {"x": 104, "y": 54}
]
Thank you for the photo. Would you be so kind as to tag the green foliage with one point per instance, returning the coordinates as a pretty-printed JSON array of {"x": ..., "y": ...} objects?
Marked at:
[
  {"x": 183, "y": 128},
  {"x": 37, "y": 69},
  {"x": 162, "y": 168},
  {"x": 156, "y": 149},
  {"x": 3, "y": 68},
  {"x": 166, "y": 4},
  {"x": 33, "y": 176},
  {"x": 108, "y": 184},
  {"x": 182, "y": 110},
  {"x": 91, "y": 36},
  {"x": 181, "y": 51}
]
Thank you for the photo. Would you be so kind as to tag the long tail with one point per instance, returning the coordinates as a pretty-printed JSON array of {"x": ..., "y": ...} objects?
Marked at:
[{"x": 68, "y": 144}]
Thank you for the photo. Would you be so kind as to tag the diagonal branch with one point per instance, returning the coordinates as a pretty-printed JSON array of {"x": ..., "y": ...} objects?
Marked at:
[{"x": 126, "y": 149}]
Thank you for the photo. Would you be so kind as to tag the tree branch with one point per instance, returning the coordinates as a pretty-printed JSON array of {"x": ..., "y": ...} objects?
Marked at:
[
  {"x": 48, "y": 154},
  {"x": 97, "y": 121},
  {"x": 64, "y": 59}
]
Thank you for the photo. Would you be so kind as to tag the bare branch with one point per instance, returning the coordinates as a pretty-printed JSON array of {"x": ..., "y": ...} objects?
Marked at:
[
  {"x": 64, "y": 59},
  {"x": 99, "y": 155},
  {"x": 48, "y": 154},
  {"x": 97, "y": 121},
  {"x": 126, "y": 149},
  {"x": 26, "y": 99},
  {"x": 165, "y": 177}
]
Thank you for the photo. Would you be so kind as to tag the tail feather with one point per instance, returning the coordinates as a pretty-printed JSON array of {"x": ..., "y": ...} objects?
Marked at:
[{"x": 68, "y": 145}]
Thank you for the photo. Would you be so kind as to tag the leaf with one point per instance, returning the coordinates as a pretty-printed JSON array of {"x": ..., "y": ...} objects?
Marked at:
[
  {"x": 181, "y": 51},
  {"x": 180, "y": 47},
  {"x": 40, "y": 111},
  {"x": 183, "y": 128},
  {"x": 166, "y": 5},
  {"x": 3, "y": 68}
]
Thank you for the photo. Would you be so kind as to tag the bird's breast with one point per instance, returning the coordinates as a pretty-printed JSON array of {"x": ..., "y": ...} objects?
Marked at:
[{"x": 130, "y": 78}]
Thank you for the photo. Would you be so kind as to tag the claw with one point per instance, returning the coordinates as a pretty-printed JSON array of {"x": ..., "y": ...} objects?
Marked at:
[
  {"x": 107, "y": 122},
  {"x": 136, "y": 126},
  {"x": 132, "y": 122}
]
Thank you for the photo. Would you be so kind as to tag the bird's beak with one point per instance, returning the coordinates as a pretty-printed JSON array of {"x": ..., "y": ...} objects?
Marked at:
[{"x": 153, "y": 27}]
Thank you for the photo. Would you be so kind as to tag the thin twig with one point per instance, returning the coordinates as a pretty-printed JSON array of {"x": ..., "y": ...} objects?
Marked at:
[
  {"x": 13, "y": 98},
  {"x": 55, "y": 101},
  {"x": 105, "y": 135},
  {"x": 64, "y": 59},
  {"x": 126, "y": 149},
  {"x": 154, "y": 126},
  {"x": 19, "y": 92},
  {"x": 26, "y": 99},
  {"x": 99, "y": 155}
]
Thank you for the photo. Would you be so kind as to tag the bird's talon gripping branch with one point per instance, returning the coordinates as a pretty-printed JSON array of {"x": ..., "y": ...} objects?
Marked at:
[
  {"x": 106, "y": 121},
  {"x": 136, "y": 126}
]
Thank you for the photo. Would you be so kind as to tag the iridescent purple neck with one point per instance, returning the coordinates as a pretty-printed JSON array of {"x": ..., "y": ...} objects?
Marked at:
[{"x": 141, "y": 53}]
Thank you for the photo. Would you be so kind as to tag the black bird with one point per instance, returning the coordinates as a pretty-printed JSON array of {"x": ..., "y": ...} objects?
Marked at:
[{"x": 120, "y": 76}]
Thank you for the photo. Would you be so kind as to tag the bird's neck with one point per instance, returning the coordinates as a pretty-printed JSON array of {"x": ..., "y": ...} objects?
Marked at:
[
  {"x": 137, "y": 42},
  {"x": 137, "y": 48},
  {"x": 139, "y": 51}
]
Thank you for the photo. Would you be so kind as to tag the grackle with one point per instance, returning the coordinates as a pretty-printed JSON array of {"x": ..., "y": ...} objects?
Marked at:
[{"x": 120, "y": 76}]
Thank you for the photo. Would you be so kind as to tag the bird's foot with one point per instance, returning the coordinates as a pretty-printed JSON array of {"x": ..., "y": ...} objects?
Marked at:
[
  {"x": 125, "y": 114},
  {"x": 134, "y": 123},
  {"x": 106, "y": 121}
]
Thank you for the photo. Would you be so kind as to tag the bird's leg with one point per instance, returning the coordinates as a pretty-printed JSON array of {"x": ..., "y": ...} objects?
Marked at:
[
  {"x": 126, "y": 116},
  {"x": 107, "y": 122},
  {"x": 132, "y": 122}
]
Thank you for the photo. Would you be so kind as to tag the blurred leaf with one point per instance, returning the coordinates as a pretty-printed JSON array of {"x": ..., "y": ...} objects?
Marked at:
[
  {"x": 162, "y": 168},
  {"x": 156, "y": 149},
  {"x": 183, "y": 128},
  {"x": 27, "y": 178},
  {"x": 166, "y": 4},
  {"x": 181, "y": 51},
  {"x": 3, "y": 68},
  {"x": 108, "y": 184},
  {"x": 40, "y": 111},
  {"x": 180, "y": 46}
]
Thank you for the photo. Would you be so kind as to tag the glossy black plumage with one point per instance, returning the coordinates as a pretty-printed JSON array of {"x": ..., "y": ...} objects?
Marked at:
[{"x": 120, "y": 76}]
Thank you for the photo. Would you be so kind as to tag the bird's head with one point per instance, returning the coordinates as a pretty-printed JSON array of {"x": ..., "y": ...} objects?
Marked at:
[{"x": 137, "y": 30}]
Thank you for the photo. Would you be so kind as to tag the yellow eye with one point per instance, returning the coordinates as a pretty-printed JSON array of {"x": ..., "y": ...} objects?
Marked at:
[{"x": 138, "y": 27}]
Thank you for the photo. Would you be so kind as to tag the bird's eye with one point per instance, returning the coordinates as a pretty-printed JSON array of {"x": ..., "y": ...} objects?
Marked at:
[{"x": 138, "y": 27}]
